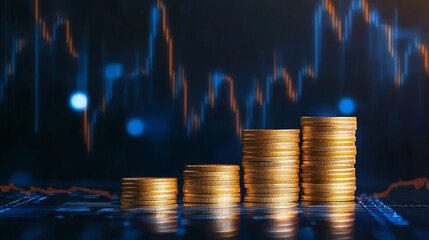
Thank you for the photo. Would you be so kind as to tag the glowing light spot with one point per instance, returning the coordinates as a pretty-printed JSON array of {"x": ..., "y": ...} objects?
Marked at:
[
  {"x": 78, "y": 101},
  {"x": 346, "y": 106},
  {"x": 135, "y": 127}
]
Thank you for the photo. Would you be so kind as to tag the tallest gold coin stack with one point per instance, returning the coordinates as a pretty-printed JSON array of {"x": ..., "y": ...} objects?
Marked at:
[
  {"x": 271, "y": 167},
  {"x": 328, "y": 158}
]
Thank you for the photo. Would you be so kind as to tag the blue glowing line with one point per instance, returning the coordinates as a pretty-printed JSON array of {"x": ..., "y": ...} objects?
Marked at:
[
  {"x": 36, "y": 80},
  {"x": 316, "y": 42}
]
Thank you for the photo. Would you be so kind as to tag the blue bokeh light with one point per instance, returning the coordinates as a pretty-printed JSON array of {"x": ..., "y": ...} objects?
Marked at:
[
  {"x": 78, "y": 101},
  {"x": 135, "y": 127},
  {"x": 346, "y": 106},
  {"x": 113, "y": 71}
]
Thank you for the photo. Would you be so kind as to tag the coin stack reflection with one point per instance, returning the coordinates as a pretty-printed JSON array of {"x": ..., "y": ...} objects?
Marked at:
[
  {"x": 212, "y": 223},
  {"x": 328, "y": 158},
  {"x": 146, "y": 192},
  {"x": 273, "y": 223},
  {"x": 211, "y": 186},
  {"x": 153, "y": 222},
  {"x": 331, "y": 220},
  {"x": 271, "y": 167}
]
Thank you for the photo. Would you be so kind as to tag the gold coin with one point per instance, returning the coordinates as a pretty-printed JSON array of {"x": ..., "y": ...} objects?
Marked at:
[
  {"x": 270, "y": 175},
  {"x": 259, "y": 170},
  {"x": 328, "y": 149},
  {"x": 270, "y": 131},
  {"x": 272, "y": 195},
  {"x": 328, "y": 194},
  {"x": 312, "y": 198},
  {"x": 278, "y": 148},
  {"x": 211, "y": 183},
  {"x": 270, "y": 139},
  {"x": 192, "y": 187},
  {"x": 252, "y": 137},
  {"x": 337, "y": 167},
  {"x": 213, "y": 167},
  {"x": 264, "y": 151},
  {"x": 328, "y": 144},
  {"x": 285, "y": 185},
  {"x": 215, "y": 195},
  {"x": 270, "y": 164},
  {"x": 269, "y": 181},
  {"x": 271, "y": 145},
  {"x": 271, "y": 204},
  {"x": 272, "y": 190},
  {"x": 328, "y": 185},
  {"x": 201, "y": 173},
  {"x": 328, "y": 171},
  {"x": 220, "y": 205},
  {"x": 271, "y": 199},
  {"x": 324, "y": 176},
  {"x": 311, "y": 164},
  {"x": 328, "y": 139},
  {"x": 210, "y": 200},
  {"x": 329, "y": 189},
  {"x": 270, "y": 159},
  {"x": 212, "y": 178},
  {"x": 330, "y": 181},
  {"x": 187, "y": 186},
  {"x": 149, "y": 179},
  {"x": 271, "y": 154},
  {"x": 144, "y": 202},
  {"x": 287, "y": 177},
  {"x": 214, "y": 191},
  {"x": 271, "y": 170},
  {"x": 331, "y": 153},
  {"x": 328, "y": 158},
  {"x": 338, "y": 127}
]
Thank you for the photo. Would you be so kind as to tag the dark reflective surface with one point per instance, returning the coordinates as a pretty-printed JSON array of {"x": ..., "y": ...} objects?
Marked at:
[{"x": 81, "y": 216}]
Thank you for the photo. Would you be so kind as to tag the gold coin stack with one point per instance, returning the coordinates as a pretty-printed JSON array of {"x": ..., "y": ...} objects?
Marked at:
[
  {"x": 211, "y": 186},
  {"x": 271, "y": 167},
  {"x": 328, "y": 158},
  {"x": 147, "y": 192}
]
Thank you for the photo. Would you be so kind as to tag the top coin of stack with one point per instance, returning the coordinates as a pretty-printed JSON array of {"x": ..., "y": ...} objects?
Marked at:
[
  {"x": 328, "y": 158},
  {"x": 147, "y": 192},
  {"x": 271, "y": 167},
  {"x": 211, "y": 185}
]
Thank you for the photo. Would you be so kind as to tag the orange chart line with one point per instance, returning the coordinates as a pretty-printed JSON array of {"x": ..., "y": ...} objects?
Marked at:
[
  {"x": 417, "y": 183},
  {"x": 50, "y": 190}
]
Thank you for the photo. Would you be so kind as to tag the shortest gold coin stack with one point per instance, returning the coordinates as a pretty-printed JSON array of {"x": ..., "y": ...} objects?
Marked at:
[
  {"x": 328, "y": 158},
  {"x": 147, "y": 192},
  {"x": 271, "y": 167},
  {"x": 211, "y": 186}
]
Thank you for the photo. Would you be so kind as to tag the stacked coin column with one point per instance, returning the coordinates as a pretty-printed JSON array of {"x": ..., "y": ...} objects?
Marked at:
[
  {"x": 146, "y": 192},
  {"x": 328, "y": 158},
  {"x": 211, "y": 186},
  {"x": 271, "y": 167}
]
